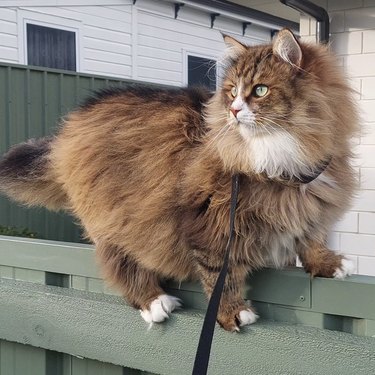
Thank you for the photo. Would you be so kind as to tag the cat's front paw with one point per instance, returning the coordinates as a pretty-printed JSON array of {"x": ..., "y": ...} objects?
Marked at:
[
  {"x": 233, "y": 320},
  {"x": 346, "y": 268},
  {"x": 160, "y": 308}
]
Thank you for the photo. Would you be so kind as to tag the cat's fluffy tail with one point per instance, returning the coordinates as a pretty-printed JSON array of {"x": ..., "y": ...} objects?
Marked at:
[{"x": 26, "y": 175}]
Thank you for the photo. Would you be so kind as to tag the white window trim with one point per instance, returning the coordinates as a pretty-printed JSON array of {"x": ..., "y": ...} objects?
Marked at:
[
  {"x": 25, "y": 16},
  {"x": 197, "y": 53}
]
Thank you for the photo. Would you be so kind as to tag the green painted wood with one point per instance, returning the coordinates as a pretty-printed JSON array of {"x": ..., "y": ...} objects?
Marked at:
[
  {"x": 7, "y": 272},
  {"x": 65, "y": 320},
  {"x": 282, "y": 313},
  {"x": 24, "y": 274},
  {"x": 288, "y": 287},
  {"x": 50, "y": 256},
  {"x": 354, "y": 296},
  {"x": 32, "y": 101},
  {"x": 17, "y": 359},
  {"x": 101, "y": 327},
  {"x": 29, "y": 275},
  {"x": 349, "y": 297}
]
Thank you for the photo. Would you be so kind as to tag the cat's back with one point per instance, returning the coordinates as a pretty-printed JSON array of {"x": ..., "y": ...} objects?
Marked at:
[
  {"x": 124, "y": 145},
  {"x": 139, "y": 121},
  {"x": 153, "y": 110}
]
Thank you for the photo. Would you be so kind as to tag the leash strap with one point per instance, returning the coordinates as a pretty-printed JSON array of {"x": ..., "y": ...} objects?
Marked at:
[{"x": 202, "y": 356}]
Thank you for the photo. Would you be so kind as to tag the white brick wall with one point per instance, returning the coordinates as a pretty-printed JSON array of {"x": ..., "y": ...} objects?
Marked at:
[{"x": 353, "y": 40}]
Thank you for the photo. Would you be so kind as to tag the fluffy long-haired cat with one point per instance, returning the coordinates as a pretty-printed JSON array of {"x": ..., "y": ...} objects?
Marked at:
[{"x": 148, "y": 173}]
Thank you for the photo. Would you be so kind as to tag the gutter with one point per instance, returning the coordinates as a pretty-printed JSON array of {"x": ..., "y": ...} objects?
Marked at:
[
  {"x": 315, "y": 11},
  {"x": 240, "y": 13}
]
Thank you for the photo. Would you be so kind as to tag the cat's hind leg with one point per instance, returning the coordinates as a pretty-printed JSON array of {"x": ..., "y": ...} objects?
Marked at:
[
  {"x": 139, "y": 286},
  {"x": 318, "y": 260}
]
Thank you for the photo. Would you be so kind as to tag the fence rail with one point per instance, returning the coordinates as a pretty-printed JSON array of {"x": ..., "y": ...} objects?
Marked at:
[{"x": 57, "y": 312}]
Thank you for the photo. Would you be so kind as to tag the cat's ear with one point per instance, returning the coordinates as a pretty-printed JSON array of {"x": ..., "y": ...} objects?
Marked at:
[
  {"x": 234, "y": 47},
  {"x": 287, "y": 47}
]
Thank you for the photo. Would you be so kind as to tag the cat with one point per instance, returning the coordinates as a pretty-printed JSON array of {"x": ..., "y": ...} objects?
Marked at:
[{"x": 147, "y": 171}]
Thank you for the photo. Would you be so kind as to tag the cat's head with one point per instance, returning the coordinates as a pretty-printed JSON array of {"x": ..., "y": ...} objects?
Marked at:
[{"x": 282, "y": 108}]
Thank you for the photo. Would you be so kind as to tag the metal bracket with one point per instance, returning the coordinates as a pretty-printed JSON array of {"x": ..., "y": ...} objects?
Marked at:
[
  {"x": 177, "y": 7},
  {"x": 273, "y": 33},
  {"x": 213, "y": 18},
  {"x": 244, "y": 27}
]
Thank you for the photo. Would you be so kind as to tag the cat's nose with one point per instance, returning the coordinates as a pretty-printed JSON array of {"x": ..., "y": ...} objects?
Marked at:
[{"x": 234, "y": 111}]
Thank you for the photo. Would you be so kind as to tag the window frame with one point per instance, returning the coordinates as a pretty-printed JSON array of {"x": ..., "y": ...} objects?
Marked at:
[
  {"x": 60, "y": 23},
  {"x": 203, "y": 55}
]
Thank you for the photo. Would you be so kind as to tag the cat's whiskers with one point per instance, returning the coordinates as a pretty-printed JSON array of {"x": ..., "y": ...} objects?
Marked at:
[
  {"x": 264, "y": 126},
  {"x": 272, "y": 119},
  {"x": 274, "y": 126},
  {"x": 222, "y": 132}
]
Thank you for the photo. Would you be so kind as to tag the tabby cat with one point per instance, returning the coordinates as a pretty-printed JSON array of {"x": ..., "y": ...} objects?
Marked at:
[{"x": 147, "y": 171}]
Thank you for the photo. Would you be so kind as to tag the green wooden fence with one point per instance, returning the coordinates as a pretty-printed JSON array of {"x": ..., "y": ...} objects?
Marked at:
[
  {"x": 57, "y": 317},
  {"x": 32, "y": 101}
]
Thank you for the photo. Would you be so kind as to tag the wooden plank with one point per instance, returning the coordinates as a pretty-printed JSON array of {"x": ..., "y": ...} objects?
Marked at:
[
  {"x": 103, "y": 328},
  {"x": 50, "y": 256},
  {"x": 288, "y": 287},
  {"x": 354, "y": 296},
  {"x": 292, "y": 287}
]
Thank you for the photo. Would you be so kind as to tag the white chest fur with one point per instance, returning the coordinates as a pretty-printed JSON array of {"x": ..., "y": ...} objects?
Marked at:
[{"x": 273, "y": 154}]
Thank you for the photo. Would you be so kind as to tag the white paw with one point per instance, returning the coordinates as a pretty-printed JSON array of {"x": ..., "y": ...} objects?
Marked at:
[
  {"x": 160, "y": 308},
  {"x": 346, "y": 269},
  {"x": 247, "y": 317}
]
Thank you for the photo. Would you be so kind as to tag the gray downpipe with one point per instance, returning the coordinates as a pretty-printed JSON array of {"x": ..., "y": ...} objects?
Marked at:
[{"x": 315, "y": 11}]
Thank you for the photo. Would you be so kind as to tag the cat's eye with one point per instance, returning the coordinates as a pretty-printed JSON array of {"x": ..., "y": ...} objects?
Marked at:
[
  {"x": 234, "y": 91},
  {"x": 260, "y": 91}
]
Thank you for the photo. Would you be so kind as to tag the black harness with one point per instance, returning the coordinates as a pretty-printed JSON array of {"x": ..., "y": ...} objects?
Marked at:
[
  {"x": 202, "y": 356},
  {"x": 204, "y": 347}
]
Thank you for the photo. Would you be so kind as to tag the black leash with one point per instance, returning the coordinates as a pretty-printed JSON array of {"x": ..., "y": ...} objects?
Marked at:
[{"x": 202, "y": 356}]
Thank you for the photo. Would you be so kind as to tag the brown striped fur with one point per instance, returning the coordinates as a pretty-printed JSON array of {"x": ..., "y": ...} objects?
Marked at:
[{"x": 148, "y": 173}]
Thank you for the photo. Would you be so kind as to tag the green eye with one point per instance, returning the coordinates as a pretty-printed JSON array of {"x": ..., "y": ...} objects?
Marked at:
[
  {"x": 260, "y": 91},
  {"x": 234, "y": 91}
]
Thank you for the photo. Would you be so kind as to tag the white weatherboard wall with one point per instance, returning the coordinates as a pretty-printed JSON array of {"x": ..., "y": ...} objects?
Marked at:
[
  {"x": 353, "y": 40},
  {"x": 116, "y": 38}
]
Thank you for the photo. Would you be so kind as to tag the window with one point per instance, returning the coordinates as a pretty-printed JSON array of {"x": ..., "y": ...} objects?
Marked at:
[
  {"x": 202, "y": 71},
  {"x": 50, "y": 47}
]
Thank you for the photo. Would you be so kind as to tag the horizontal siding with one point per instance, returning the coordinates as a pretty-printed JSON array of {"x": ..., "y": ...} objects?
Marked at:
[
  {"x": 8, "y": 40},
  {"x": 119, "y": 36},
  {"x": 157, "y": 53},
  {"x": 151, "y": 62},
  {"x": 119, "y": 15},
  {"x": 117, "y": 70},
  {"x": 8, "y": 27},
  {"x": 159, "y": 38},
  {"x": 162, "y": 8},
  {"x": 194, "y": 16},
  {"x": 8, "y": 35},
  {"x": 158, "y": 75},
  {"x": 185, "y": 29},
  {"x": 183, "y": 38},
  {"x": 8, "y": 54},
  {"x": 110, "y": 41},
  {"x": 106, "y": 56},
  {"x": 91, "y": 42}
]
